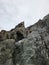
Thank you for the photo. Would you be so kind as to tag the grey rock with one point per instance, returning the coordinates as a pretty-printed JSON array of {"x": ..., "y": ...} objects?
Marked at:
[
  {"x": 26, "y": 46},
  {"x": 34, "y": 50},
  {"x": 6, "y": 50}
]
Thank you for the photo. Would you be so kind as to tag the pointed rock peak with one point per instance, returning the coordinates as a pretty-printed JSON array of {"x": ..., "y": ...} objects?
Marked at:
[
  {"x": 20, "y": 25},
  {"x": 46, "y": 17},
  {"x": 44, "y": 22}
]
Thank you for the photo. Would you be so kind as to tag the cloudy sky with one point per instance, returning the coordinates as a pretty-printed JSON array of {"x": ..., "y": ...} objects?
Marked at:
[{"x": 13, "y": 12}]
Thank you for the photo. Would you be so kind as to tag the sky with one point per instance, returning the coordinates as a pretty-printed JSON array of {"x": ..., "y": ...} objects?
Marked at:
[{"x": 13, "y": 12}]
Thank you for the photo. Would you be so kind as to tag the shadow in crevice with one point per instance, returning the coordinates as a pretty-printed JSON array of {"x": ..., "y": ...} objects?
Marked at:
[
  {"x": 19, "y": 36},
  {"x": 16, "y": 56}
]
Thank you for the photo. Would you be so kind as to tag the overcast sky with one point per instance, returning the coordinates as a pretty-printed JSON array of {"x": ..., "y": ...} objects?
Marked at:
[{"x": 13, "y": 12}]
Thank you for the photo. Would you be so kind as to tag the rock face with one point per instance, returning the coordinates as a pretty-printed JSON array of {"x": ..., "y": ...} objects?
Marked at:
[
  {"x": 6, "y": 50},
  {"x": 17, "y": 33},
  {"x": 26, "y": 46}
]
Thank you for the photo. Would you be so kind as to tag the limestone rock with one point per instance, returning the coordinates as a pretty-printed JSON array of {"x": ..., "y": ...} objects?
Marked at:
[
  {"x": 26, "y": 46},
  {"x": 6, "y": 50},
  {"x": 17, "y": 33},
  {"x": 33, "y": 50}
]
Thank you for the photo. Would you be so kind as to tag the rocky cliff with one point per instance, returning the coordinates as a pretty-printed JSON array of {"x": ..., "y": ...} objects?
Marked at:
[{"x": 26, "y": 46}]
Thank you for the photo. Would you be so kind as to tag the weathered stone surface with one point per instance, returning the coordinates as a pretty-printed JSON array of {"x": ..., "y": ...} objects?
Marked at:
[
  {"x": 26, "y": 46},
  {"x": 34, "y": 50},
  {"x": 18, "y": 31},
  {"x": 6, "y": 50}
]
